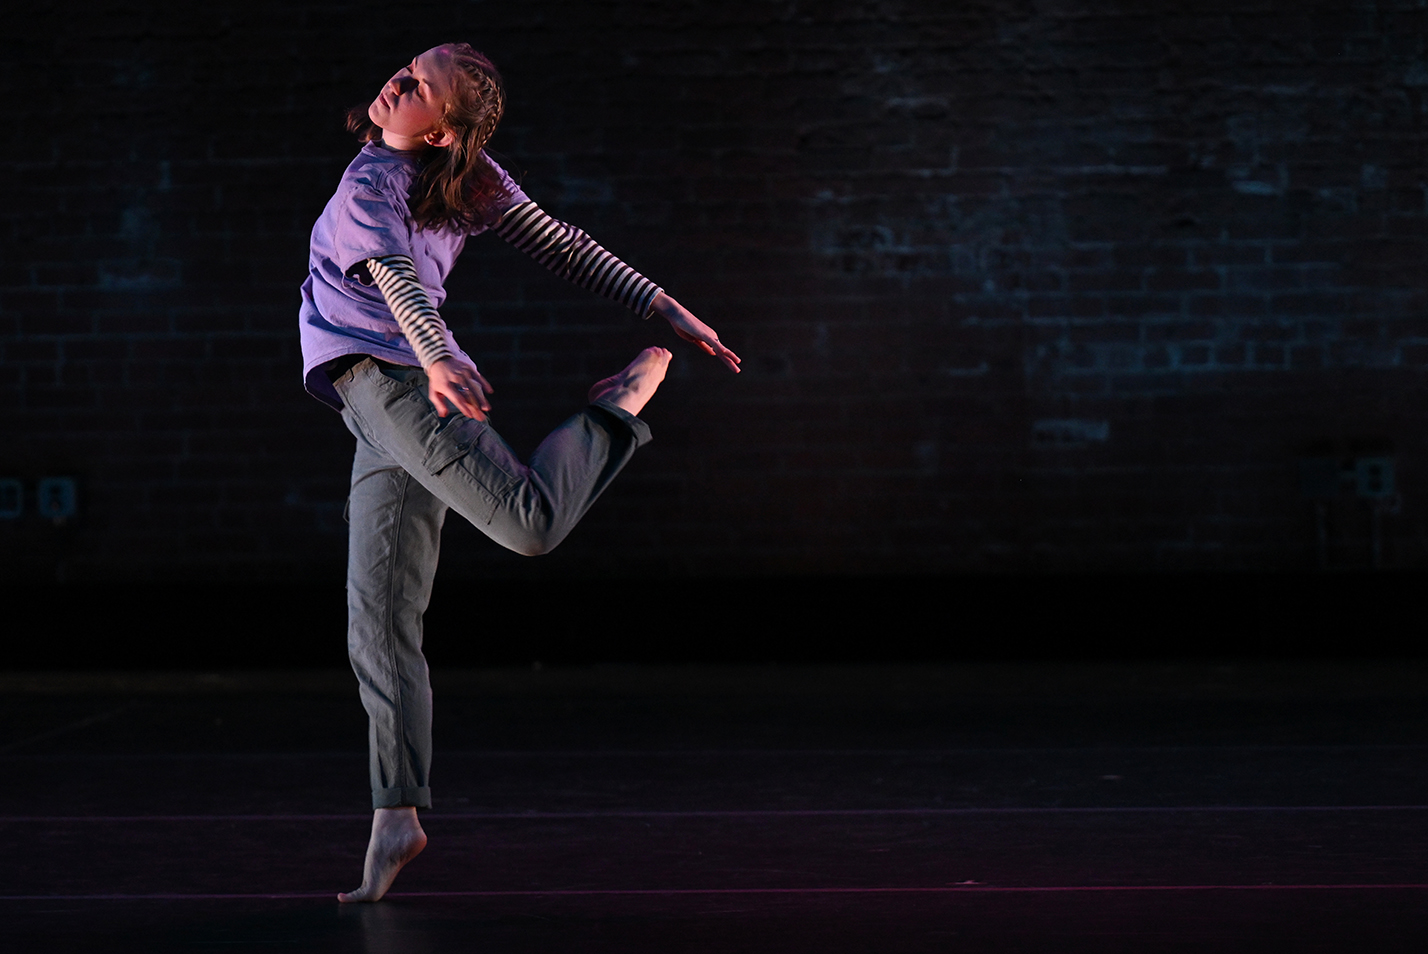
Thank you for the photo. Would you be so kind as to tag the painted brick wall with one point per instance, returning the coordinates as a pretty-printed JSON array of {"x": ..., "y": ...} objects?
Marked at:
[{"x": 1019, "y": 286}]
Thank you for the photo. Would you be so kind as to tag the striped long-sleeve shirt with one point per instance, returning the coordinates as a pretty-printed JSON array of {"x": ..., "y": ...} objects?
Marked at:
[
  {"x": 396, "y": 277},
  {"x": 564, "y": 249},
  {"x": 576, "y": 257}
]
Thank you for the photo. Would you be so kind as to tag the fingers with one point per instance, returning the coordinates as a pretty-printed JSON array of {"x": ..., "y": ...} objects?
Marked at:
[
  {"x": 462, "y": 394},
  {"x": 471, "y": 409},
  {"x": 471, "y": 388},
  {"x": 730, "y": 359},
  {"x": 709, "y": 343},
  {"x": 717, "y": 349},
  {"x": 448, "y": 399},
  {"x": 693, "y": 330},
  {"x": 472, "y": 401}
]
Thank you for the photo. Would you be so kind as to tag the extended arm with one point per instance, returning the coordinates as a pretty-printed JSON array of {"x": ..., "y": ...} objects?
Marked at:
[
  {"x": 453, "y": 383},
  {"x": 576, "y": 257}
]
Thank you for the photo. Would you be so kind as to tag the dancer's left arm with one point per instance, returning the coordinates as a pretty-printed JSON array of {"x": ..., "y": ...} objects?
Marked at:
[{"x": 576, "y": 257}]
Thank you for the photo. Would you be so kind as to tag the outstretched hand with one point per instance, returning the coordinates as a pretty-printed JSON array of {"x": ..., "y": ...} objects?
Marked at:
[
  {"x": 693, "y": 330},
  {"x": 457, "y": 386}
]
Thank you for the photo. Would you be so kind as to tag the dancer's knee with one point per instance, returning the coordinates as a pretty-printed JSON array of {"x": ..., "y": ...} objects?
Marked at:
[
  {"x": 533, "y": 543},
  {"x": 530, "y": 521},
  {"x": 535, "y": 535}
]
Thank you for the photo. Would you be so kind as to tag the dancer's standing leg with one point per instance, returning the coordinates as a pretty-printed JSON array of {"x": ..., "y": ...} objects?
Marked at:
[{"x": 394, "y": 542}]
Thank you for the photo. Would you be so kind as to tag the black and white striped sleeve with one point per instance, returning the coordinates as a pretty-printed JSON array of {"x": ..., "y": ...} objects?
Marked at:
[
  {"x": 396, "y": 276},
  {"x": 576, "y": 257}
]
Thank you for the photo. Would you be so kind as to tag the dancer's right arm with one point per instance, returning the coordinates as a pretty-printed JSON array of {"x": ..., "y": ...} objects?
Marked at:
[{"x": 452, "y": 382}]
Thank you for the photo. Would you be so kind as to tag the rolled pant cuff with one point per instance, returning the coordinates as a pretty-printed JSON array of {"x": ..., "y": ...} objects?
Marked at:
[
  {"x": 401, "y": 797},
  {"x": 638, "y": 428}
]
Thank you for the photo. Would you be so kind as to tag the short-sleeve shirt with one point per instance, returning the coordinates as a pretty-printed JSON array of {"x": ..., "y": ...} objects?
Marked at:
[{"x": 368, "y": 218}]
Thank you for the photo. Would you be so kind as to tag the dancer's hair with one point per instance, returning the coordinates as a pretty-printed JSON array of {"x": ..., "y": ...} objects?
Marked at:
[{"x": 457, "y": 187}]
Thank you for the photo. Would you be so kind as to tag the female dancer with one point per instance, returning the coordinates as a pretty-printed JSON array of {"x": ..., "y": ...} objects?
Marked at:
[{"x": 375, "y": 348}]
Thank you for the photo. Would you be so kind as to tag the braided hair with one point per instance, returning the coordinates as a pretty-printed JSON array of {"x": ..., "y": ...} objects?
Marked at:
[{"x": 457, "y": 187}]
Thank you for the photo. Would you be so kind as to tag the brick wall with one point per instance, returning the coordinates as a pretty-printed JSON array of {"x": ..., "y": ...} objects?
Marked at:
[{"x": 1019, "y": 286}]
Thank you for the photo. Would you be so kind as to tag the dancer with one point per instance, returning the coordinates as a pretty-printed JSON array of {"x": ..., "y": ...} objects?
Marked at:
[{"x": 376, "y": 349}]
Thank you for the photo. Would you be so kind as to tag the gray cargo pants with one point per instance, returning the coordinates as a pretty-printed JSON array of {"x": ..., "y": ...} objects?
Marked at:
[{"x": 410, "y": 467}]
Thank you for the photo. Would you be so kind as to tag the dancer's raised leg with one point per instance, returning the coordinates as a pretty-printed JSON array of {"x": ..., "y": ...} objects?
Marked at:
[
  {"x": 396, "y": 839},
  {"x": 573, "y": 465}
]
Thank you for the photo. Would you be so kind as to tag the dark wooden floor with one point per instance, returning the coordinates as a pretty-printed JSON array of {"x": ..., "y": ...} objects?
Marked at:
[{"x": 997, "y": 807}]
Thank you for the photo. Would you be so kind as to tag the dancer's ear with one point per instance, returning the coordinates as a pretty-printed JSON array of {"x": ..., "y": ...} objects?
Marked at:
[{"x": 440, "y": 138}]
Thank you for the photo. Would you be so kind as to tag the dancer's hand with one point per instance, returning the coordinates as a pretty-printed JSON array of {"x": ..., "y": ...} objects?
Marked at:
[
  {"x": 692, "y": 329},
  {"x": 459, "y": 387}
]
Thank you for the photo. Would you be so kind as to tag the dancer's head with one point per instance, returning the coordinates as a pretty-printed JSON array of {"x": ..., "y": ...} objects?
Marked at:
[{"x": 445, "y": 105}]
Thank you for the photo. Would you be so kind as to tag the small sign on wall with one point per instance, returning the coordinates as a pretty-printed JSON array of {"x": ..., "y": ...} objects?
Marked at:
[{"x": 57, "y": 498}]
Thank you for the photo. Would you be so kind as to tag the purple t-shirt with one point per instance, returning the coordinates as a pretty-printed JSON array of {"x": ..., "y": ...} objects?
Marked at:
[{"x": 368, "y": 218}]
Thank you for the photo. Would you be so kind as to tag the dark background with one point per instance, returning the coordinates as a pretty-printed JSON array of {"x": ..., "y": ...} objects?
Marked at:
[{"x": 1068, "y": 328}]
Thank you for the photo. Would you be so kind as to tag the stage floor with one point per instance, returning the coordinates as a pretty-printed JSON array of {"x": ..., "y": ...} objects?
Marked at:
[{"x": 1075, "y": 807}]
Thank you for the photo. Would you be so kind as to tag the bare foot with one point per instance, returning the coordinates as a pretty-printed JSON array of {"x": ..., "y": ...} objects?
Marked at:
[
  {"x": 396, "y": 839},
  {"x": 633, "y": 387}
]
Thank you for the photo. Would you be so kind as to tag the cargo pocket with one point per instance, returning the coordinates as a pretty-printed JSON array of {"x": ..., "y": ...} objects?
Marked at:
[{"x": 453, "y": 455}]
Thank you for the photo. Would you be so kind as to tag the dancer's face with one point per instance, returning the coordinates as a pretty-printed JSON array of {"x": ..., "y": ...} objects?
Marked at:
[{"x": 410, "y": 107}]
